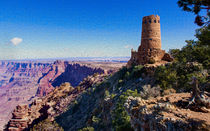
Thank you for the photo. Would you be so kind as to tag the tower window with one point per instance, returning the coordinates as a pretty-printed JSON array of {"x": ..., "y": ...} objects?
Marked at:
[
  {"x": 145, "y": 21},
  {"x": 158, "y": 21},
  {"x": 155, "y": 21},
  {"x": 149, "y": 21}
]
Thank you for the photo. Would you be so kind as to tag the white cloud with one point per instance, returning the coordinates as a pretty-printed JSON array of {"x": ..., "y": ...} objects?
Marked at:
[
  {"x": 128, "y": 46},
  {"x": 16, "y": 40}
]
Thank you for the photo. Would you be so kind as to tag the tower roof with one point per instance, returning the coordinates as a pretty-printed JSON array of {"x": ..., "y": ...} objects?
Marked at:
[{"x": 151, "y": 17}]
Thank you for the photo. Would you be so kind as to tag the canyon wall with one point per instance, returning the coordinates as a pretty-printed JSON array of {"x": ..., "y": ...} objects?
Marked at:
[
  {"x": 18, "y": 84},
  {"x": 23, "y": 81}
]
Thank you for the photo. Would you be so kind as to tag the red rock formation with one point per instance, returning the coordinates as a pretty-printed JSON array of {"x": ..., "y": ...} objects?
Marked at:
[
  {"x": 45, "y": 82},
  {"x": 18, "y": 84},
  {"x": 19, "y": 119},
  {"x": 62, "y": 72}
]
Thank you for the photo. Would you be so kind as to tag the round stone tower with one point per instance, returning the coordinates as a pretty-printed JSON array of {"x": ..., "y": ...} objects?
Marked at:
[
  {"x": 149, "y": 52},
  {"x": 151, "y": 37}
]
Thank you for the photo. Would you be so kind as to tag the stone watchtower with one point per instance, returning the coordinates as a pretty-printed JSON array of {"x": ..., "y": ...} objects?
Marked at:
[
  {"x": 150, "y": 36},
  {"x": 150, "y": 49}
]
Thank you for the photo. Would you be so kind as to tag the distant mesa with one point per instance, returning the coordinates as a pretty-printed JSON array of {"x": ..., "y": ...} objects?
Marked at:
[{"x": 149, "y": 52}]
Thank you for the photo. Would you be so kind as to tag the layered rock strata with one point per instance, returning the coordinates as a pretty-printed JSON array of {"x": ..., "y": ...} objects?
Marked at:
[
  {"x": 19, "y": 119},
  {"x": 24, "y": 81}
]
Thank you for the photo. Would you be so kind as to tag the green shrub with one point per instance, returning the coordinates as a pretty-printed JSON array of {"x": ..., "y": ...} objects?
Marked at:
[
  {"x": 47, "y": 125},
  {"x": 137, "y": 71},
  {"x": 179, "y": 75},
  {"x": 75, "y": 106},
  {"x": 113, "y": 95},
  {"x": 121, "y": 73},
  {"x": 127, "y": 75},
  {"x": 195, "y": 50},
  {"x": 120, "y": 118},
  {"x": 106, "y": 94},
  {"x": 87, "y": 129},
  {"x": 166, "y": 77},
  {"x": 95, "y": 119}
]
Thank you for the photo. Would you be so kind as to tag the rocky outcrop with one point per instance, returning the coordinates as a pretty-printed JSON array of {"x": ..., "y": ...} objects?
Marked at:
[
  {"x": 53, "y": 104},
  {"x": 91, "y": 80},
  {"x": 164, "y": 113},
  {"x": 24, "y": 117},
  {"x": 167, "y": 57},
  {"x": 19, "y": 119}
]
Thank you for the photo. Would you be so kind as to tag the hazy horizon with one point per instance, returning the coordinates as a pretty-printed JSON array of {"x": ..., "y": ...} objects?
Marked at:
[{"x": 73, "y": 59}]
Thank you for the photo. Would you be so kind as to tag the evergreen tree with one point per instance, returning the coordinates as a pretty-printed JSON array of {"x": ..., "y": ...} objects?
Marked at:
[{"x": 196, "y": 6}]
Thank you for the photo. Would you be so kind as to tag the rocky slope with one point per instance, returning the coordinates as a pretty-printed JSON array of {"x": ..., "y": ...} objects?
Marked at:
[
  {"x": 101, "y": 106},
  {"x": 97, "y": 106},
  {"x": 165, "y": 113},
  {"x": 50, "y": 106}
]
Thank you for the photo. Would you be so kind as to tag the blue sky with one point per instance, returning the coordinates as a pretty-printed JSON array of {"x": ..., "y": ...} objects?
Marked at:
[{"x": 86, "y": 28}]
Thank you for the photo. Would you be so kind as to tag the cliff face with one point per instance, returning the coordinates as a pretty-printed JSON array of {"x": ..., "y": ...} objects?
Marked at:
[
  {"x": 15, "y": 73},
  {"x": 65, "y": 72},
  {"x": 45, "y": 82},
  {"x": 77, "y": 73}
]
